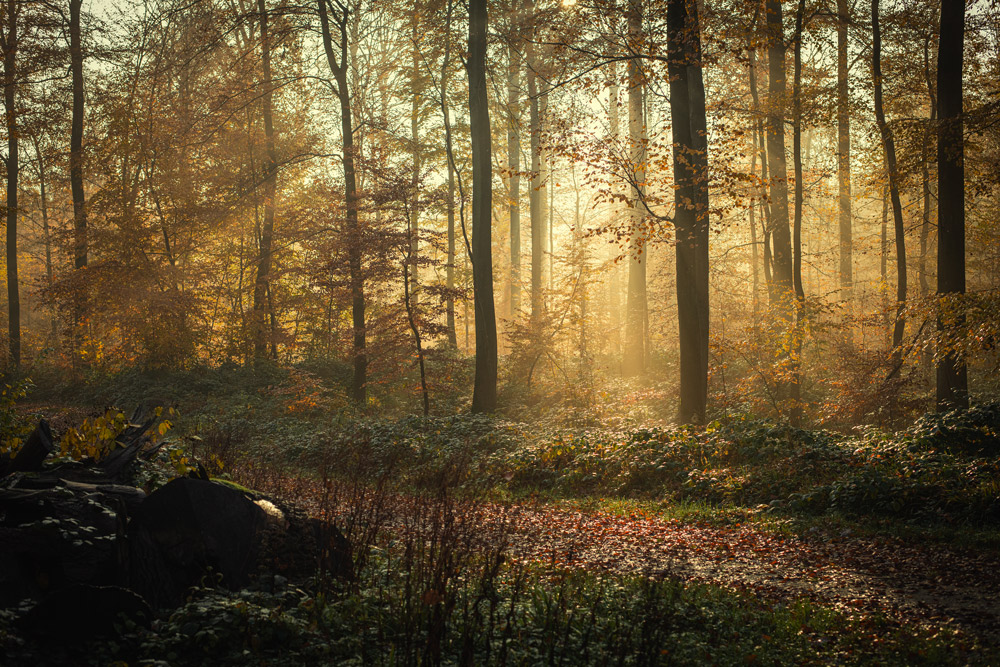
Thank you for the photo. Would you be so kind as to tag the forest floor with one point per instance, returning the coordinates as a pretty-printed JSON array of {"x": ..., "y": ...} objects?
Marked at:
[
  {"x": 930, "y": 586},
  {"x": 924, "y": 585}
]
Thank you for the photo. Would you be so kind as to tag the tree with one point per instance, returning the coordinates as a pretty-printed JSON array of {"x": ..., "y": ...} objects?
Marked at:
[
  {"x": 514, "y": 162},
  {"x": 889, "y": 147},
  {"x": 10, "y": 43},
  {"x": 636, "y": 316},
  {"x": 952, "y": 378},
  {"x": 536, "y": 198},
  {"x": 691, "y": 223},
  {"x": 777, "y": 165},
  {"x": 484, "y": 396},
  {"x": 844, "y": 154},
  {"x": 80, "y": 242},
  {"x": 339, "y": 67},
  {"x": 261, "y": 288}
]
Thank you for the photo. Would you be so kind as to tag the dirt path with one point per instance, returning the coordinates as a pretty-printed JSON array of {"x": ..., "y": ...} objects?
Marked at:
[{"x": 925, "y": 585}]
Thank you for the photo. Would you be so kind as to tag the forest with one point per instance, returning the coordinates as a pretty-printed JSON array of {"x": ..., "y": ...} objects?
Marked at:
[{"x": 475, "y": 332}]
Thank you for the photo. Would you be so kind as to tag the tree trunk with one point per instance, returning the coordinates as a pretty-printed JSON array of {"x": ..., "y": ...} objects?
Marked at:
[
  {"x": 359, "y": 384},
  {"x": 777, "y": 167},
  {"x": 450, "y": 267},
  {"x": 614, "y": 283},
  {"x": 800, "y": 296},
  {"x": 416, "y": 86},
  {"x": 889, "y": 147},
  {"x": 536, "y": 199},
  {"x": 690, "y": 139},
  {"x": 925, "y": 223},
  {"x": 765, "y": 208},
  {"x": 46, "y": 230},
  {"x": 952, "y": 379},
  {"x": 10, "y": 48},
  {"x": 484, "y": 396},
  {"x": 844, "y": 155},
  {"x": 514, "y": 179},
  {"x": 261, "y": 285},
  {"x": 634, "y": 360},
  {"x": 76, "y": 166}
]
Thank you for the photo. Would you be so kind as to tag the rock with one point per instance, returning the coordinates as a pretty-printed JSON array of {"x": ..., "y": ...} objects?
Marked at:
[{"x": 190, "y": 532}]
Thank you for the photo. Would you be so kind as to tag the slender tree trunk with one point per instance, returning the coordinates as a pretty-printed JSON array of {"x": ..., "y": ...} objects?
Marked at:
[
  {"x": 536, "y": 200},
  {"x": 416, "y": 89},
  {"x": 925, "y": 146},
  {"x": 690, "y": 139},
  {"x": 952, "y": 378},
  {"x": 884, "y": 236},
  {"x": 412, "y": 320},
  {"x": 765, "y": 207},
  {"x": 754, "y": 257},
  {"x": 10, "y": 47},
  {"x": 514, "y": 179},
  {"x": 890, "y": 159},
  {"x": 261, "y": 286},
  {"x": 46, "y": 230},
  {"x": 634, "y": 361},
  {"x": 76, "y": 166},
  {"x": 484, "y": 396},
  {"x": 450, "y": 266},
  {"x": 544, "y": 191},
  {"x": 844, "y": 155},
  {"x": 777, "y": 167},
  {"x": 76, "y": 138},
  {"x": 359, "y": 384},
  {"x": 800, "y": 296},
  {"x": 614, "y": 283}
]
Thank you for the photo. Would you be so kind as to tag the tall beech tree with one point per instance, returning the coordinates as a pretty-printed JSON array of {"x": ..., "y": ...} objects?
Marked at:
[
  {"x": 691, "y": 223},
  {"x": 781, "y": 256},
  {"x": 952, "y": 377},
  {"x": 484, "y": 394}
]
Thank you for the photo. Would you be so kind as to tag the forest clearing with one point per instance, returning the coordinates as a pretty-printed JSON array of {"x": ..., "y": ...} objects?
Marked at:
[{"x": 513, "y": 332}]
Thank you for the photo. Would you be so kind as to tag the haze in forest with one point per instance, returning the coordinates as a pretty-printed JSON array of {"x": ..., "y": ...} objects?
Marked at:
[{"x": 666, "y": 209}]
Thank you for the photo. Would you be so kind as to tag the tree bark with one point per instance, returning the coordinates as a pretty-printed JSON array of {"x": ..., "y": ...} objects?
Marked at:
[
  {"x": 614, "y": 283},
  {"x": 416, "y": 89},
  {"x": 10, "y": 47},
  {"x": 514, "y": 179},
  {"x": 536, "y": 199},
  {"x": 690, "y": 139},
  {"x": 889, "y": 147},
  {"x": 359, "y": 388},
  {"x": 261, "y": 286},
  {"x": 777, "y": 166},
  {"x": 800, "y": 296},
  {"x": 952, "y": 378},
  {"x": 765, "y": 208},
  {"x": 484, "y": 396},
  {"x": 925, "y": 222},
  {"x": 450, "y": 265},
  {"x": 844, "y": 155},
  {"x": 634, "y": 360},
  {"x": 76, "y": 138}
]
